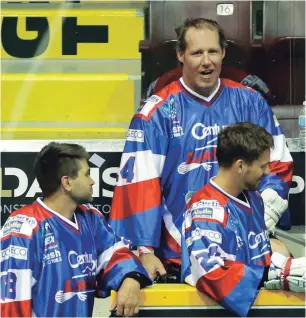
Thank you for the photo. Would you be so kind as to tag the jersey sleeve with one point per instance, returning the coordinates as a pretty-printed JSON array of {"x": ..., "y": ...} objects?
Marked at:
[
  {"x": 19, "y": 268},
  {"x": 137, "y": 208},
  {"x": 209, "y": 260},
  {"x": 281, "y": 163},
  {"x": 114, "y": 258}
]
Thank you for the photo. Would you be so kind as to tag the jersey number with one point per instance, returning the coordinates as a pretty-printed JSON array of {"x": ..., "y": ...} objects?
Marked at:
[
  {"x": 127, "y": 172},
  {"x": 8, "y": 286}
]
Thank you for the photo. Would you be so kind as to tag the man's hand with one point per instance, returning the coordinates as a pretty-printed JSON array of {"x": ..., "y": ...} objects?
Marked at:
[
  {"x": 287, "y": 273},
  {"x": 275, "y": 206},
  {"x": 127, "y": 298},
  {"x": 153, "y": 265}
]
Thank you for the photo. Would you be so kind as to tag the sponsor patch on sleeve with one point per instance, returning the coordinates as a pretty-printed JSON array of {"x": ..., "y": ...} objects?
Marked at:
[
  {"x": 149, "y": 104},
  {"x": 207, "y": 209},
  {"x": 136, "y": 135},
  {"x": 20, "y": 224},
  {"x": 14, "y": 251}
]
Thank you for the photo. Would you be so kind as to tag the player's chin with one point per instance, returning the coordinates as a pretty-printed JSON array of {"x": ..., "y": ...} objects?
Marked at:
[
  {"x": 90, "y": 198},
  {"x": 86, "y": 199},
  {"x": 208, "y": 83},
  {"x": 252, "y": 187}
]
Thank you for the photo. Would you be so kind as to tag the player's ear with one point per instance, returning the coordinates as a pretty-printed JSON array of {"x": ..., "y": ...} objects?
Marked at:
[
  {"x": 65, "y": 181},
  {"x": 180, "y": 56},
  {"x": 239, "y": 166},
  {"x": 223, "y": 53}
]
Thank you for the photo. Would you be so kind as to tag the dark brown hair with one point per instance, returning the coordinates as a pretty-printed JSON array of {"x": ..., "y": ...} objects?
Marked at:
[
  {"x": 245, "y": 141},
  {"x": 56, "y": 160}
]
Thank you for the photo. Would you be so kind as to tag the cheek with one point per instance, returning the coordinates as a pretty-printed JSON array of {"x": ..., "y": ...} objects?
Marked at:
[{"x": 217, "y": 62}]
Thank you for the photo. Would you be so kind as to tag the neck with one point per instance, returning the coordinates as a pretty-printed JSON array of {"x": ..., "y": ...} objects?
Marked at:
[
  {"x": 228, "y": 182},
  {"x": 61, "y": 204}
]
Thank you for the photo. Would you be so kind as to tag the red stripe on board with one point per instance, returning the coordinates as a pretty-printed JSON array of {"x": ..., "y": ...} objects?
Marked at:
[
  {"x": 135, "y": 198},
  {"x": 17, "y": 309},
  {"x": 220, "y": 282},
  {"x": 284, "y": 170}
]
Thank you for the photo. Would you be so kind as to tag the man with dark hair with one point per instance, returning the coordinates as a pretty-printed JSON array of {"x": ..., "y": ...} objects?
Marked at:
[
  {"x": 59, "y": 251},
  {"x": 226, "y": 250},
  {"x": 170, "y": 149}
]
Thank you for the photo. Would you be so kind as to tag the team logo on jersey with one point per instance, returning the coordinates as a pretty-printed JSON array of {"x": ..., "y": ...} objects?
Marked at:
[
  {"x": 170, "y": 110},
  {"x": 20, "y": 223}
]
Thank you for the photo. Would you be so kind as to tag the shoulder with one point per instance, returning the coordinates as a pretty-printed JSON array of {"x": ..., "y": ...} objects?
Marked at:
[
  {"x": 208, "y": 204},
  {"x": 167, "y": 78},
  {"x": 240, "y": 89},
  {"x": 243, "y": 94},
  {"x": 89, "y": 208},
  {"x": 232, "y": 84},
  {"x": 153, "y": 104},
  {"x": 25, "y": 222}
]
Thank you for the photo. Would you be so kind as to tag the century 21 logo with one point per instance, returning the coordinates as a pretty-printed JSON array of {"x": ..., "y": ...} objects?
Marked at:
[{"x": 72, "y": 34}]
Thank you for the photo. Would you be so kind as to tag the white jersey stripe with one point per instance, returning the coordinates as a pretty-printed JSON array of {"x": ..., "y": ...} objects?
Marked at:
[
  {"x": 148, "y": 166},
  {"x": 150, "y": 104},
  {"x": 21, "y": 283},
  {"x": 107, "y": 255},
  {"x": 280, "y": 152}
]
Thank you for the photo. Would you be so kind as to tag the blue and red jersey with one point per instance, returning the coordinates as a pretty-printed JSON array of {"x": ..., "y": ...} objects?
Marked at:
[
  {"x": 53, "y": 267},
  {"x": 170, "y": 150}
]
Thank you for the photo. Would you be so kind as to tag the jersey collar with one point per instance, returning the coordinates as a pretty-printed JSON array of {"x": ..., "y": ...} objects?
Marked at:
[
  {"x": 208, "y": 100},
  {"x": 73, "y": 224},
  {"x": 246, "y": 204}
]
